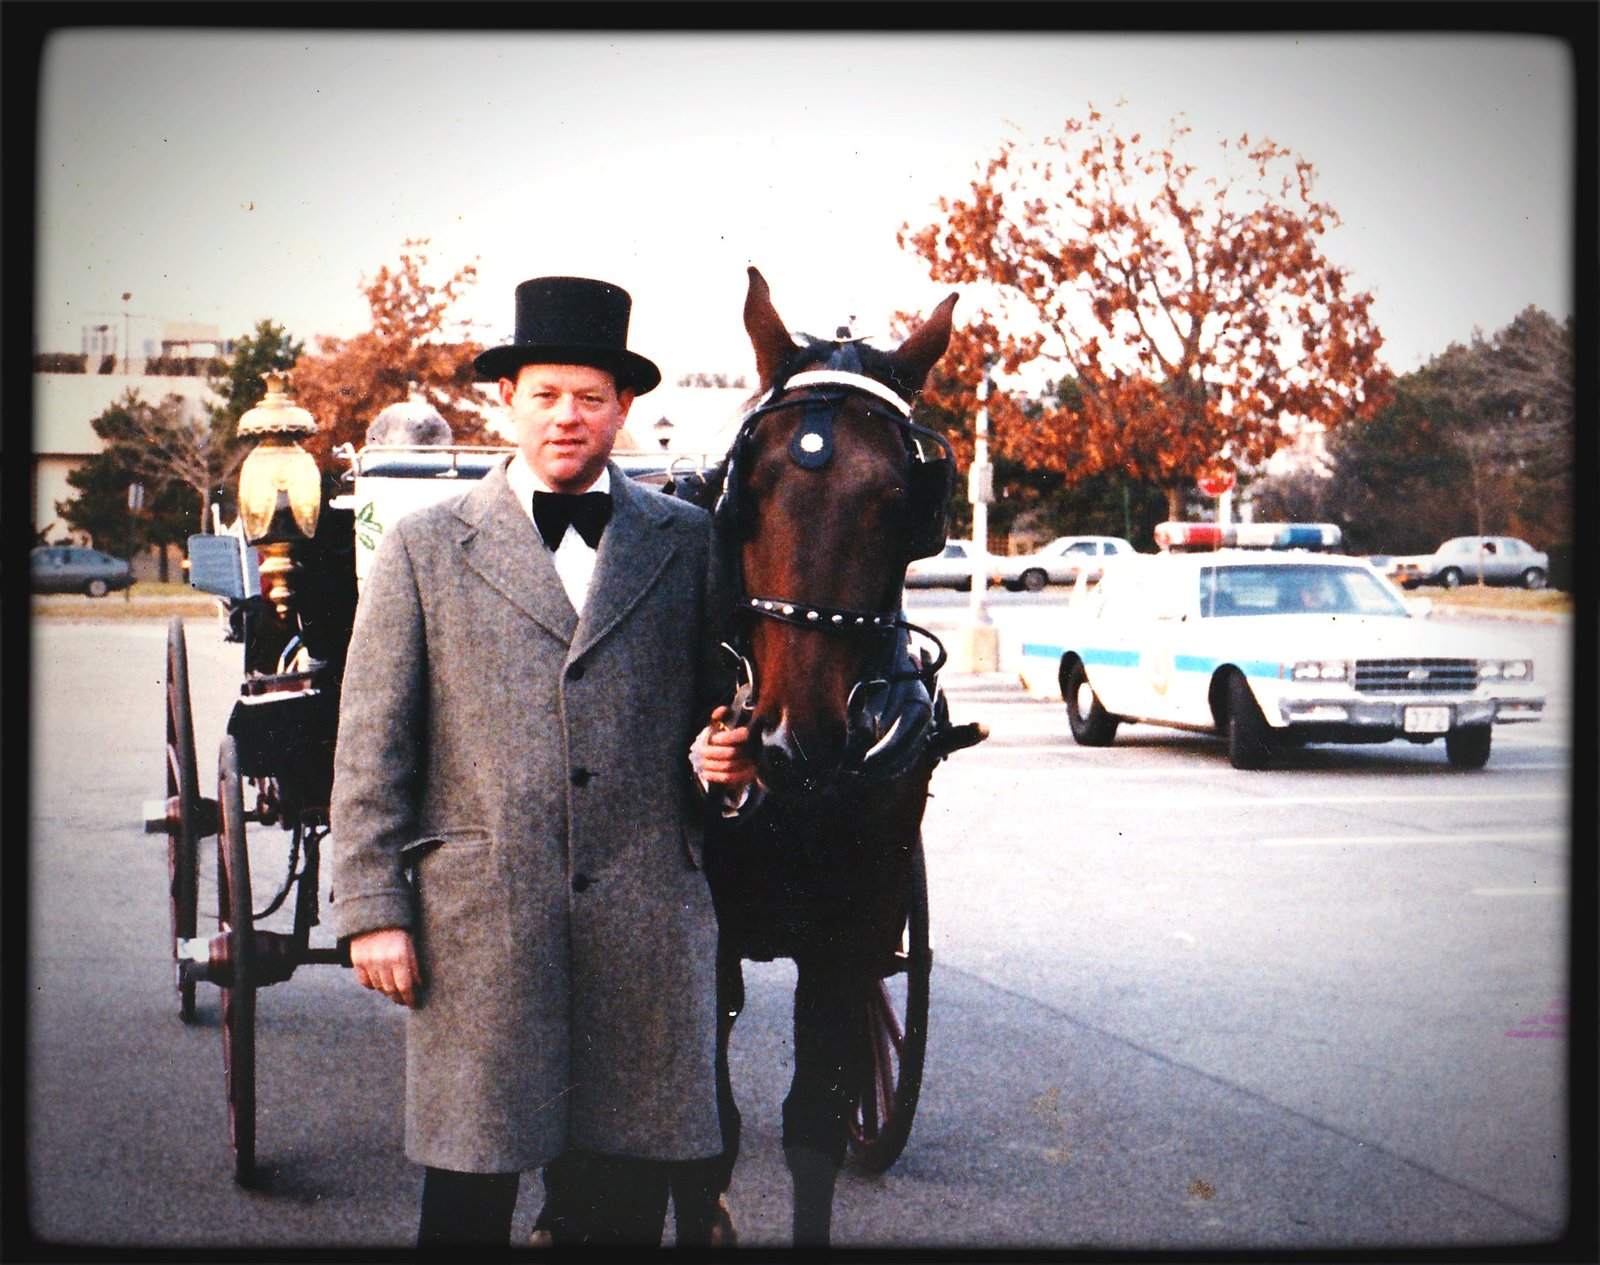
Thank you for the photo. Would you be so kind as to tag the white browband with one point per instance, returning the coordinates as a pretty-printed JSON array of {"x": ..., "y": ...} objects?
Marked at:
[{"x": 855, "y": 381}]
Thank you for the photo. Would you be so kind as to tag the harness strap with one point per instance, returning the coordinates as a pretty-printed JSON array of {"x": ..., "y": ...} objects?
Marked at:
[
  {"x": 829, "y": 618},
  {"x": 851, "y": 381},
  {"x": 823, "y": 616}
]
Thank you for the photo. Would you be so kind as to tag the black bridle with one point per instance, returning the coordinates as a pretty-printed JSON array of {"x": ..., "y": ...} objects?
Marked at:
[
  {"x": 811, "y": 448},
  {"x": 895, "y": 710},
  {"x": 844, "y": 619}
]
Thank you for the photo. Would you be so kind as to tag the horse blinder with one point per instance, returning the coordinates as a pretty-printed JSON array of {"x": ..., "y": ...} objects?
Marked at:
[{"x": 931, "y": 480}]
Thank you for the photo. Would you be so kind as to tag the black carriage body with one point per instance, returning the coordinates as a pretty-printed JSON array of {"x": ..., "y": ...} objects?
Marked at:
[
  {"x": 285, "y": 727},
  {"x": 285, "y": 722}
]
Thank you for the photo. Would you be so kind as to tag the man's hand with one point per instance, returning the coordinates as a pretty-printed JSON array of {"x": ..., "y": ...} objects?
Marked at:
[
  {"x": 722, "y": 755},
  {"x": 387, "y": 961}
]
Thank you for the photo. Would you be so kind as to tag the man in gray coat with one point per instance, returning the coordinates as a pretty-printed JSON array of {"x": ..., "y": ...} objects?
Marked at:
[{"x": 515, "y": 828}]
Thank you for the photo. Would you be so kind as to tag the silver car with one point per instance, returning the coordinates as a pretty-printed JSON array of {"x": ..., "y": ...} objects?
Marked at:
[
  {"x": 74, "y": 569},
  {"x": 1475, "y": 560}
]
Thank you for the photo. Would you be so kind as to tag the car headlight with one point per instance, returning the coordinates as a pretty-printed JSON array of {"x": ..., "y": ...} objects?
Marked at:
[
  {"x": 1320, "y": 670},
  {"x": 1505, "y": 670}
]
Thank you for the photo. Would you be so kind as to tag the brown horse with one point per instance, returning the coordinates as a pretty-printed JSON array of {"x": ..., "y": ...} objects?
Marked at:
[{"x": 828, "y": 492}]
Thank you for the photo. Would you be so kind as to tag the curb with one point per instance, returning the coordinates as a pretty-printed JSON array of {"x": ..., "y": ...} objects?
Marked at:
[
  {"x": 1526, "y": 617},
  {"x": 112, "y": 608}
]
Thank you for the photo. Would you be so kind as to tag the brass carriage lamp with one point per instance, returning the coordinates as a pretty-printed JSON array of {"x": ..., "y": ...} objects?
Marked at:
[{"x": 280, "y": 487}]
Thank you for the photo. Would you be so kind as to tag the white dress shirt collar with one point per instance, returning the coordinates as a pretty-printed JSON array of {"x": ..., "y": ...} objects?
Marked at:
[
  {"x": 525, "y": 481},
  {"x": 574, "y": 560}
]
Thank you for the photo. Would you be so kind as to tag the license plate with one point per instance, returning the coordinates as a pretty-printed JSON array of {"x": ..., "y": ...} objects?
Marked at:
[{"x": 1427, "y": 720}]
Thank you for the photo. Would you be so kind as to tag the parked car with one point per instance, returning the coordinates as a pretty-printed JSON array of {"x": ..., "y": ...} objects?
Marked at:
[
  {"x": 1273, "y": 649},
  {"x": 951, "y": 568},
  {"x": 1467, "y": 559},
  {"x": 74, "y": 569},
  {"x": 1059, "y": 562}
]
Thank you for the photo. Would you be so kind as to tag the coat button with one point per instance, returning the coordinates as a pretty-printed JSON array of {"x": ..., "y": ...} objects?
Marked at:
[
  {"x": 580, "y": 882},
  {"x": 580, "y": 777},
  {"x": 575, "y": 672}
]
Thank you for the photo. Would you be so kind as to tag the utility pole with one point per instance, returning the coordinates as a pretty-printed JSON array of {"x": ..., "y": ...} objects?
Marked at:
[
  {"x": 979, "y": 647},
  {"x": 127, "y": 347},
  {"x": 980, "y": 491}
]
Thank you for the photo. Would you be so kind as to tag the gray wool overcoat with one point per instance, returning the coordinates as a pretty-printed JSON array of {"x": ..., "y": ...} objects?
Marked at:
[{"x": 511, "y": 783}]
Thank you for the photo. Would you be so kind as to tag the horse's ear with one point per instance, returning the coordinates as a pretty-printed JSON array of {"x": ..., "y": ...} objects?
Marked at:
[
  {"x": 768, "y": 334},
  {"x": 919, "y": 353}
]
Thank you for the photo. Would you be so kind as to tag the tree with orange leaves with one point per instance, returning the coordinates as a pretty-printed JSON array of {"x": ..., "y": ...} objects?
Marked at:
[
  {"x": 1194, "y": 313},
  {"x": 405, "y": 355}
]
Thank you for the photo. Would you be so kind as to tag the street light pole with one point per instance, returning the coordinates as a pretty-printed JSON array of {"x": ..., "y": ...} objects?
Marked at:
[
  {"x": 978, "y": 649},
  {"x": 980, "y": 491},
  {"x": 127, "y": 350}
]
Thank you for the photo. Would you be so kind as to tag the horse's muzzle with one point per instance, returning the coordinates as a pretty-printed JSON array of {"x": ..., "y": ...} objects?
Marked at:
[
  {"x": 885, "y": 728},
  {"x": 794, "y": 765}
]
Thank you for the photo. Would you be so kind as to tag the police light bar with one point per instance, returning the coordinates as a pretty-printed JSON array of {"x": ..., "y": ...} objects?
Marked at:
[{"x": 1180, "y": 537}]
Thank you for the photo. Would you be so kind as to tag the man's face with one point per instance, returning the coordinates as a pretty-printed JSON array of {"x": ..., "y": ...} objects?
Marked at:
[{"x": 567, "y": 418}]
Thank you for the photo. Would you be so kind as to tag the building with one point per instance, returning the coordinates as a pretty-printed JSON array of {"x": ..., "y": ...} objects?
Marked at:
[
  {"x": 696, "y": 423},
  {"x": 64, "y": 408}
]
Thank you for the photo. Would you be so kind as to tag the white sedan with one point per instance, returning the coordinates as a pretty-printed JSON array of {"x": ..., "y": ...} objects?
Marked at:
[
  {"x": 1060, "y": 561},
  {"x": 1471, "y": 559},
  {"x": 951, "y": 568},
  {"x": 1270, "y": 649}
]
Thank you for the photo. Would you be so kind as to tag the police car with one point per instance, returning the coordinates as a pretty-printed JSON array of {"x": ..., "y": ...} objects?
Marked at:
[{"x": 1255, "y": 634}]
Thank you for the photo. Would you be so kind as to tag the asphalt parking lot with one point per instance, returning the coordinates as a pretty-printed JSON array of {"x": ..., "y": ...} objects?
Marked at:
[{"x": 1174, "y": 1005}]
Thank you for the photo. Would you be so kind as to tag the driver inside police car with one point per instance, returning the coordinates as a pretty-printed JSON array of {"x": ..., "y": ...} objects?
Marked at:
[
  {"x": 515, "y": 820},
  {"x": 1317, "y": 593}
]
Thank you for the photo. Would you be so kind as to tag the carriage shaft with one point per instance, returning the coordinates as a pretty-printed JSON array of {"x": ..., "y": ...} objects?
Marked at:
[{"x": 277, "y": 956}]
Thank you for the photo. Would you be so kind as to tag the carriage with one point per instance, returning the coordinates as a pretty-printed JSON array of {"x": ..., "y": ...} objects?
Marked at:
[{"x": 287, "y": 580}]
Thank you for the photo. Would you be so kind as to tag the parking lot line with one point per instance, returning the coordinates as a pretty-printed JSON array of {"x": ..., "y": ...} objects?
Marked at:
[
  {"x": 1518, "y": 891},
  {"x": 1482, "y": 836},
  {"x": 1011, "y": 751},
  {"x": 1237, "y": 801}
]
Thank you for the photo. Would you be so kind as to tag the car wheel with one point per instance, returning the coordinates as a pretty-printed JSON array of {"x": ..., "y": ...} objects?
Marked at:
[
  {"x": 1092, "y": 725},
  {"x": 1533, "y": 578},
  {"x": 1468, "y": 747},
  {"x": 1450, "y": 577},
  {"x": 1249, "y": 735},
  {"x": 96, "y": 588},
  {"x": 1034, "y": 579}
]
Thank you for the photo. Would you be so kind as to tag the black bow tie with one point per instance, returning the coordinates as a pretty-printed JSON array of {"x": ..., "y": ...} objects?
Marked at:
[{"x": 587, "y": 511}]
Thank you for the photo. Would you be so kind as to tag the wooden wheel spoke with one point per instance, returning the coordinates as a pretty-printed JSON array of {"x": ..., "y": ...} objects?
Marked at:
[
  {"x": 887, "y": 1062},
  {"x": 895, "y": 1036},
  {"x": 890, "y": 1021},
  {"x": 182, "y": 801},
  {"x": 236, "y": 921}
]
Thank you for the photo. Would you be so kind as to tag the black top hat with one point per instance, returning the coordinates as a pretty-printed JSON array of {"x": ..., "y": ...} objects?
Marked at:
[{"x": 571, "y": 321}]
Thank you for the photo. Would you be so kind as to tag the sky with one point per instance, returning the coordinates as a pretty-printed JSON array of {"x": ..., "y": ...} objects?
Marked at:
[{"x": 224, "y": 177}]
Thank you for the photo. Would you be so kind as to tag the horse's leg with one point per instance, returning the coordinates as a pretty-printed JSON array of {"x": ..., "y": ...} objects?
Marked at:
[
  {"x": 828, "y": 1058},
  {"x": 700, "y": 1214}
]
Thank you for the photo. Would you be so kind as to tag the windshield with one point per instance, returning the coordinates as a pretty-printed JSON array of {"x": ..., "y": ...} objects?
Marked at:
[{"x": 1295, "y": 590}]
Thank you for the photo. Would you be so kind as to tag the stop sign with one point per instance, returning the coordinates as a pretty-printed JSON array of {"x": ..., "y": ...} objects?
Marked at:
[{"x": 1216, "y": 482}]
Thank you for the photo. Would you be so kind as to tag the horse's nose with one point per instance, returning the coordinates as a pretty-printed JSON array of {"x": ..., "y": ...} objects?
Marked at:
[{"x": 786, "y": 761}]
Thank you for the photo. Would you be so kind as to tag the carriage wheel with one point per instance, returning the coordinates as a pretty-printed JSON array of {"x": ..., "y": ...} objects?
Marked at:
[
  {"x": 236, "y": 920},
  {"x": 896, "y": 1017},
  {"x": 183, "y": 794}
]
